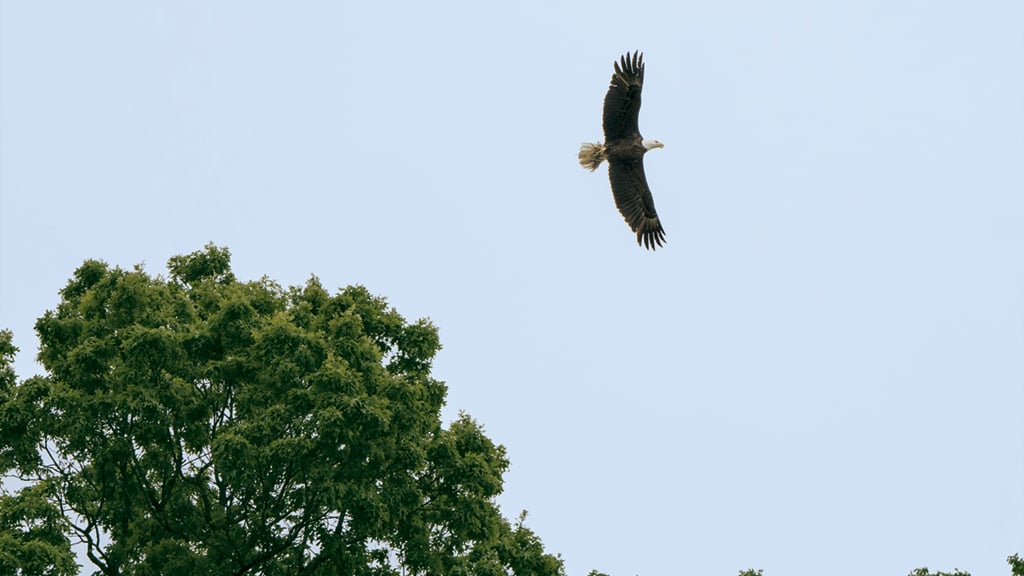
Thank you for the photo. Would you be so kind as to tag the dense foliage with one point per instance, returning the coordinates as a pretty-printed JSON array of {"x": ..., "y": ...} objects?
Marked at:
[{"x": 198, "y": 424}]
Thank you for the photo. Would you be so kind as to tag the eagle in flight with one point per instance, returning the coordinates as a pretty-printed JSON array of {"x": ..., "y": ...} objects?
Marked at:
[{"x": 624, "y": 150}]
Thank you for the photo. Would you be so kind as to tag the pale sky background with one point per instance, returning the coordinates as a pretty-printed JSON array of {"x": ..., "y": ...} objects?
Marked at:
[{"x": 821, "y": 373}]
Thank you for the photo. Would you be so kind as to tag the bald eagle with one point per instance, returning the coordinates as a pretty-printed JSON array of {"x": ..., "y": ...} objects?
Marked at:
[{"x": 624, "y": 150}]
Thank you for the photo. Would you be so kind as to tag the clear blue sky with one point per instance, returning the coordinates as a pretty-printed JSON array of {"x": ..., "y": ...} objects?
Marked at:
[{"x": 821, "y": 373}]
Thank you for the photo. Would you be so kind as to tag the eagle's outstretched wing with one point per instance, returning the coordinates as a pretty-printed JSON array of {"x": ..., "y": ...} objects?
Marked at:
[
  {"x": 635, "y": 202},
  {"x": 622, "y": 102}
]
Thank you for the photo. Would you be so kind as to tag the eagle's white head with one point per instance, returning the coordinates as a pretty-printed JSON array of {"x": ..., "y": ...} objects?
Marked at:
[{"x": 651, "y": 144}]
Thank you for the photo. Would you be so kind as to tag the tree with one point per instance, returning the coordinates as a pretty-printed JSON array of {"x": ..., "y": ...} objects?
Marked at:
[
  {"x": 198, "y": 424},
  {"x": 1016, "y": 565},
  {"x": 925, "y": 572}
]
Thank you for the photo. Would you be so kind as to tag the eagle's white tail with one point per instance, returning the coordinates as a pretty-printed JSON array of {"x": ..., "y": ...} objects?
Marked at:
[{"x": 591, "y": 156}]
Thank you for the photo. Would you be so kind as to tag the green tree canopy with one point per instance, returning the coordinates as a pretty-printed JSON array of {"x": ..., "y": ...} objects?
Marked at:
[
  {"x": 33, "y": 537},
  {"x": 1016, "y": 564},
  {"x": 197, "y": 424}
]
